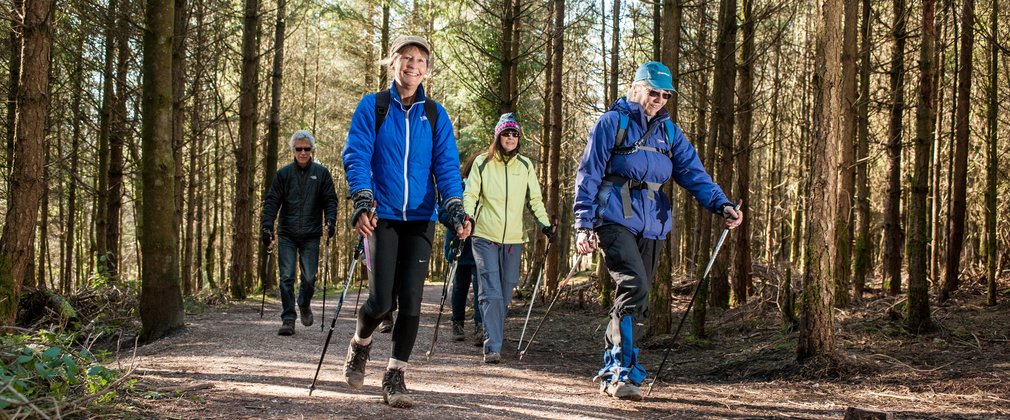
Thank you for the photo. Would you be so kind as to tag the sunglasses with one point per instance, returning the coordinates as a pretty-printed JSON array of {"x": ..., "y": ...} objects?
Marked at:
[
  {"x": 510, "y": 133},
  {"x": 303, "y": 149},
  {"x": 656, "y": 94}
]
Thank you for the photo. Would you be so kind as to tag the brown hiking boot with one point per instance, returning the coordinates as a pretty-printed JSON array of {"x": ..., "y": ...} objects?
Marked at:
[
  {"x": 306, "y": 315},
  {"x": 394, "y": 391},
  {"x": 354, "y": 367},
  {"x": 458, "y": 334},
  {"x": 287, "y": 327}
]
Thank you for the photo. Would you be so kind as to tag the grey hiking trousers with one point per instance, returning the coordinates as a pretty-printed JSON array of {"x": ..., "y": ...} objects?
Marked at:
[{"x": 497, "y": 275}]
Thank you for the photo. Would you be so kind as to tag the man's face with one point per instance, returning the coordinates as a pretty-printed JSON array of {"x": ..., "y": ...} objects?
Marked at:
[{"x": 303, "y": 152}]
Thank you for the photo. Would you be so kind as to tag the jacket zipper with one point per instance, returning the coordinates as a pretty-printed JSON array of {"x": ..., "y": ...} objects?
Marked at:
[
  {"x": 505, "y": 224},
  {"x": 406, "y": 158}
]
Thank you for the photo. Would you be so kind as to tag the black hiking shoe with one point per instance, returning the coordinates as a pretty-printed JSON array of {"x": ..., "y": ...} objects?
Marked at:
[
  {"x": 306, "y": 314},
  {"x": 387, "y": 325},
  {"x": 458, "y": 334},
  {"x": 621, "y": 390},
  {"x": 394, "y": 391},
  {"x": 287, "y": 327},
  {"x": 478, "y": 336},
  {"x": 492, "y": 357},
  {"x": 354, "y": 367}
]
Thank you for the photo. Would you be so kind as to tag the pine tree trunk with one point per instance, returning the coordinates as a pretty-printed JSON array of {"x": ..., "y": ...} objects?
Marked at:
[
  {"x": 992, "y": 164},
  {"x": 742, "y": 283},
  {"x": 506, "y": 90},
  {"x": 101, "y": 222},
  {"x": 959, "y": 169},
  {"x": 268, "y": 282},
  {"x": 816, "y": 324},
  {"x": 384, "y": 46},
  {"x": 67, "y": 272},
  {"x": 241, "y": 259},
  {"x": 722, "y": 125},
  {"x": 918, "y": 229},
  {"x": 615, "y": 49},
  {"x": 160, "y": 297},
  {"x": 25, "y": 181},
  {"x": 846, "y": 152},
  {"x": 861, "y": 256},
  {"x": 893, "y": 232},
  {"x": 554, "y": 163},
  {"x": 14, "y": 44},
  {"x": 119, "y": 132}
]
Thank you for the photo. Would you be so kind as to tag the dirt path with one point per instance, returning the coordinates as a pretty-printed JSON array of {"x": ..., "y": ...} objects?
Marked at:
[{"x": 232, "y": 364}]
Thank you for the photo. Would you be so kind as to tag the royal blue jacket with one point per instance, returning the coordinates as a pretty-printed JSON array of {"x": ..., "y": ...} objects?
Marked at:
[
  {"x": 598, "y": 202},
  {"x": 403, "y": 162}
]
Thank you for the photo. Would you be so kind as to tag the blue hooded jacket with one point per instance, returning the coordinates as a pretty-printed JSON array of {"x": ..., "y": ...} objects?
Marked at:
[
  {"x": 598, "y": 202},
  {"x": 402, "y": 163}
]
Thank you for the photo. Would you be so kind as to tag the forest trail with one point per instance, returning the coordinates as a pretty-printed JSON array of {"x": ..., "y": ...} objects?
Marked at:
[{"x": 231, "y": 364}]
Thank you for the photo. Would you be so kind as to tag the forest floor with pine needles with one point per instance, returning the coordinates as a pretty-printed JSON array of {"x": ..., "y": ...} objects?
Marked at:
[{"x": 229, "y": 363}]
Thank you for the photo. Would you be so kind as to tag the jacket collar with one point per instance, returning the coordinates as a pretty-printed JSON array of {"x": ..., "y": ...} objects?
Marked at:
[{"x": 419, "y": 96}]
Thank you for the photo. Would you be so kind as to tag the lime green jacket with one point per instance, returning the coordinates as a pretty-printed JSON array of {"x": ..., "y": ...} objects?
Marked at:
[{"x": 496, "y": 193}]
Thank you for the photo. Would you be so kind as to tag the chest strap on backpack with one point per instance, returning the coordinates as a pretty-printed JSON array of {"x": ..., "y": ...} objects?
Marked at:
[{"x": 626, "y": 185}]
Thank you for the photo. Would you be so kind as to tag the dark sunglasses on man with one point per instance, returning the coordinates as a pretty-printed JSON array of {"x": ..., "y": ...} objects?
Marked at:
[{"x": 303, "y": 149}]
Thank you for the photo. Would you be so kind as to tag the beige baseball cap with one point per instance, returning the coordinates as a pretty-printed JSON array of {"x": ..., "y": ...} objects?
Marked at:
[{"x": 404, "y": 40}]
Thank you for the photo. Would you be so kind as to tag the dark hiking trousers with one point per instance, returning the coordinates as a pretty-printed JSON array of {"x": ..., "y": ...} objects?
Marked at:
[
  {"x": 631, "y": 262},
  {"x": 402, "y": 251}
]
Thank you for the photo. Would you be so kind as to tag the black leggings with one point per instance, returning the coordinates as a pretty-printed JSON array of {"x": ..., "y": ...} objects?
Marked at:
[{"x": 402, "y": 251}]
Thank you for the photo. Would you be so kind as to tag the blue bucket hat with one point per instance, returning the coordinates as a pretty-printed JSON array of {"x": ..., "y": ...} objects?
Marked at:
[{"x": 656, "y": 75}]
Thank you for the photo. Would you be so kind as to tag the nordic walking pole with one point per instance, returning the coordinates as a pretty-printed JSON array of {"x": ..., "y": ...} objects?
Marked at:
[
  {"x": 326, "y": 273},
  {"x": 445, "y": 289},
  {"x": 266, "y": 273},
  {"x": 536, "y": 287},
  {"x": 340, "y": 304},
  {"x": 697, "y": 287},
  {"x": 571, "y": 274}
]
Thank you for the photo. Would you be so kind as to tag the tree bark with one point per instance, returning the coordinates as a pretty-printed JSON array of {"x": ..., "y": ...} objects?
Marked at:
[
  {"x": 742, "y": 283},
  {"x": 25, "y": 181},
  {"x": 615, "y": 49},
  {"x": 846, "y": 152},
  {"x": 160, "y": 298},
  {"x": 992, "y": 159},
  {"x": 67, "y": 271},
  {"x": 861, "y": 257},
  {"x": 816, "y": 323},
  {"x": 268, "y": 282},
  {"x": 554, "y": 164},
  {"x": 14, "y": 44},
  {"x": 241, "y": 258},
  {"x": 893, "y": 232},
  {"x": 722, "y": 125},
  {"x": 104, "y": 132},
  {"x": 918, "y": 316},
  {"x": 959, "y": 169},
  {"x": 384, "y": 46},
  {"x": 118, "y": 133}
]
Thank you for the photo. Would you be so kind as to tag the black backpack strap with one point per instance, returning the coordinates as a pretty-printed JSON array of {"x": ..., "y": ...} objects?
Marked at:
[
  {"x": 431, "y": 111},
  {"x": 382, "y": 100}
]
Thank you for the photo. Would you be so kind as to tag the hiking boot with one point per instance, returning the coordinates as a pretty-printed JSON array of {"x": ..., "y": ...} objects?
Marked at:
[
  {"x": 458, "y": 334},
  {"x": 386, "y": 326},
  {"x": 478, "y": 336},
  {"x": 287, "y": 327},
  {"x": 492, "y": 357},
  {"x": 394, "y": 391},
  {"x": 306, "y": 314},
  {"x": 354, "y": 367},
  {"x": 621, "y": 390}
]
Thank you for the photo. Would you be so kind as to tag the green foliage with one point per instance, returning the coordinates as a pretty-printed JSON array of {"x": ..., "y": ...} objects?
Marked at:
[{"x": 47, "y": 365}]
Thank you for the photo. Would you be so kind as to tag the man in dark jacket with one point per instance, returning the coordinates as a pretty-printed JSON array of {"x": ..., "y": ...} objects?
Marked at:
[{"x": 303, "y": 192}]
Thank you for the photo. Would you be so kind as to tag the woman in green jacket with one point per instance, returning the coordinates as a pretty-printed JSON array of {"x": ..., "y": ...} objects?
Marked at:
[{"x": 502, "y": 184}]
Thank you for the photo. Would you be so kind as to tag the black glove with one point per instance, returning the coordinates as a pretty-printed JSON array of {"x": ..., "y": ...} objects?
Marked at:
[
  {"x": 267, "y": 237},
  {"x": 456, "y": 214},
  {"x": 330, "y": 230},
  {"x": 549, "y": 231},
  {"x": 724, "y": 213},
  {"x": 363, "y": 202}
]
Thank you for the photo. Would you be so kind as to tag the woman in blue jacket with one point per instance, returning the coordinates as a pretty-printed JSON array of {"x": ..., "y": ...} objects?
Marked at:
[
  {"x": 632, "y": 151},
  {"x": 394, "y": 157}
]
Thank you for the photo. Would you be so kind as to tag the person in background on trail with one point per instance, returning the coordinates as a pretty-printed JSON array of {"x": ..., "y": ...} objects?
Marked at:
[
  {"x": 465, "y": 276},
  {"x": 634, "y": 149},
  {"x": 400, "y": 145},
  {"x": 503, "y": 183},
  {"x": 303, "y": 193}
]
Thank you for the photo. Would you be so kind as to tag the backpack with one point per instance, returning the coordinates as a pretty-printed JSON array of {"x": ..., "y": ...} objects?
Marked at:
[
  {"x": 625, "y": 185},
  {"x": 382, "y": 100}
]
